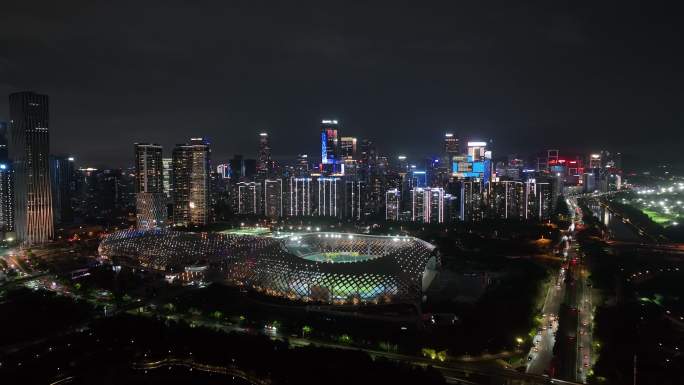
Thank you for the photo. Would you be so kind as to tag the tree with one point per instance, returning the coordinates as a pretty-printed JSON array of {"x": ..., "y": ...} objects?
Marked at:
[{"x": 562, "y": 212}]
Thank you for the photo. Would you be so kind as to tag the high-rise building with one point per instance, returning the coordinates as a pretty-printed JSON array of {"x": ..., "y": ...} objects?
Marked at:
[
  {"x": 167, "y": 167},
  {"x": 263, "y": 165},
  {"x": 273, "y": 198},
  {"x": 105, "y": 196},
  {"x": 538, "y": 200},
  {"x": 6, "y": 184},
  {"x": 450, "y": 145},
  {"x": 595, "y": 161},
  {"x": 435, "y": 212},
  {"x": 248, "y": 198},
  {"x": 241, "y": 168},
  {"x": 392, "y": 204},
  {"x": 150, "y": 200},
  {"x": 223, "y": 170},
  {"x": 329, "y": 192},
  {"x": 348, "y": 147},
  {"x": 419, "y": 206},
  {"x": 63, "y": 179},
  {"x": 300, "y": 197},
  {"x": 368, "y": 153},
  {"x": 506, "y": 199},
  {"x": 4, "y": 155},
  {"x": 477, "y": 151},
  {"x": 149, "y": 175},
  {"x": 29, "y": 149},
  {"x": 476, "y": 164},
  {"x": 353, "y": 190},
  {"x": 471, "y": 200},
  {"x": 6, "y": 198},
  {"x": 302, "y": 166},
  {"x": 220, "y": 193},
  {"x": 329, "y": 142},
  {"x": 191, "y": 182},
  {"x": 451, "y": 213}
]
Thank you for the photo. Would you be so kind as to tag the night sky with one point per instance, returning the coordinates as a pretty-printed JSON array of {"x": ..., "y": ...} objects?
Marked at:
[{"x": 576, "y": 75}]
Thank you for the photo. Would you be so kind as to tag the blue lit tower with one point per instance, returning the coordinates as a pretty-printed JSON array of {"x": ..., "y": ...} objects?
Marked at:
[{"x": 330, "y": 147}]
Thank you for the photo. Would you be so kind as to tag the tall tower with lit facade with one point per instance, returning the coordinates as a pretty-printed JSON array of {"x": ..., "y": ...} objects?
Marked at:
[
  {"x": 6, "y": 198},
  {"x": 63, "y": 179},
  {"x": 6, "y": 184},
  {"x": 264, "y": 156},
  {"x": 148, "y": 168},
  {"x": 450, "y": 145},
  {"x": 191, "y": 182},
  {"x": 29, "y": 149},
  {"x": 330, "y": 147},
  {"x": 167, "y": 164},
  {"x": 348, "y": 147},
  {"x": 150, "y": 200},
  {"x": 273, "y": 198}
]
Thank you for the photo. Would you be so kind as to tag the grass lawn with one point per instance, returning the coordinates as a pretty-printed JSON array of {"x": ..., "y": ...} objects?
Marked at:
[{"x": 657, "y": 217}]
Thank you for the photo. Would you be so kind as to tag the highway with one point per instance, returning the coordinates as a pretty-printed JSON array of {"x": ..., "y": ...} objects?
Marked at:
[
  {"x": 541, "y": 352},
  {"x": 579, "y": 297}
]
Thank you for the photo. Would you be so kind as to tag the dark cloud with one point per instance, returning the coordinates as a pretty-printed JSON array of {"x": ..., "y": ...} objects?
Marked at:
[{"x": 576, "y": 75}]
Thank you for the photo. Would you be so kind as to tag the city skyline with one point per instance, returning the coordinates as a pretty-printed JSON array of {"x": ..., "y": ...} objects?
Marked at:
[{"x": 314, "y": 192}]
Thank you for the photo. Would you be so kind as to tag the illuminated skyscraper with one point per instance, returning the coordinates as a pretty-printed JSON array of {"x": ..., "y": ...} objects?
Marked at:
[
  {"x": 392, "y": 204},
  {"x": 264, "y": 156},
  {"x": 29, "y": 149},
  {"x": 6, "y": 184},
  {"x": 273, "y": 198},
  {"x": 330, "y": 151},
  {"x": 167, "y": 166},
  {"x": 63, "y": 179},
  {"x": 450, "y": 145},
  {"x": 329, "y": 192},
  {"x": 595, "y": 161},
  {"x": 477, "y": 151},
  {"x": 302, "y": 166},
  {"x": 4, "y": 155},
  {"x": 506, "y": 200},
  {"x": 249, "y": 198},
  {"x": 150, "y": 201},
  {"x": 6, "y": 198},
  {"x": 538, "y": 200},
  {"x": 223, "y": 170},
  {"x": 435, "y": 212},
  {"x": 418, "y": 204},
  {"x": 472, "y": 200},
  {"x": 299, "y": 197},
  {"x": 353, "y": 190},
  {"x": 348, "y": 147},
  {"x": 148, "y": 168},
  {"x": 191, "y": 182}
]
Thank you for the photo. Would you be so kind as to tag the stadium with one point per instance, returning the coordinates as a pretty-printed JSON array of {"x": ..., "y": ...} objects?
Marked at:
[{"x": 334, "y": 268}]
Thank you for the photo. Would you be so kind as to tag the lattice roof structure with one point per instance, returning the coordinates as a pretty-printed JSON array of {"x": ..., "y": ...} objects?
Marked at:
[{"x": 328, "y": 267}]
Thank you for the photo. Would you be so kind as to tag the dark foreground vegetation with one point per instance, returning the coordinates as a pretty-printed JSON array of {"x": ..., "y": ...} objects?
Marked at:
[{"x": 109, "y": 350}]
